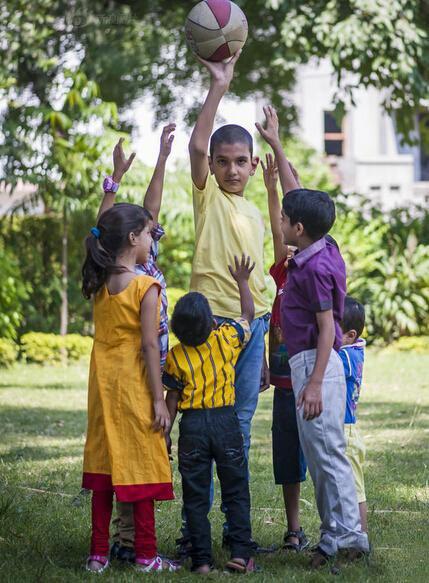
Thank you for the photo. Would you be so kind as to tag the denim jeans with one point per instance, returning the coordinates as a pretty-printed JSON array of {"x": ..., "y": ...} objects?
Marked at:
[
  {"x": 248, "y": 376},
  {"x": 207, "y": 436},
  {"x": 247, "y": 384}
]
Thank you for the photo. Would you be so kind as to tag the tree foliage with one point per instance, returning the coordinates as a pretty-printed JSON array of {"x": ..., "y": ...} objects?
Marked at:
[{"x": 135, "y": 48}]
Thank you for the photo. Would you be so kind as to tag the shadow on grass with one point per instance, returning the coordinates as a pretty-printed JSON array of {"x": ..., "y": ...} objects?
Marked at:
[
  {"x": 40, "y": 453},
  {"x": 42, "y": 385},
  {"x": 41, "y": 421}
]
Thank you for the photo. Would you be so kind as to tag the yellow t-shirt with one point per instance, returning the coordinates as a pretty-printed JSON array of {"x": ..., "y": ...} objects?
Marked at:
[
  {"x": 205, "y": 374},
  {"x": 226, "y": 225}
]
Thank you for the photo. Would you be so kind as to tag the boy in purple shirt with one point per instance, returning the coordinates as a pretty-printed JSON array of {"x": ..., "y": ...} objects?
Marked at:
[{"x": 311, "y": 313}]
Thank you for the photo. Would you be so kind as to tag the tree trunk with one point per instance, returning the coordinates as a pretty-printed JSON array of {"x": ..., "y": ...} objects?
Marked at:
[{"x": 64, "y": 275}]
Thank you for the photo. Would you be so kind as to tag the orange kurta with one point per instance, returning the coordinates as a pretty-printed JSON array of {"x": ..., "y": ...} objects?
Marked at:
[{"x": 122, "y": 451}]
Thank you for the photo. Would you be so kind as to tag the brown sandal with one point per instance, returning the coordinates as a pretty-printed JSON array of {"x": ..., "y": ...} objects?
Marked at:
[{"x": 238, "y": 565}]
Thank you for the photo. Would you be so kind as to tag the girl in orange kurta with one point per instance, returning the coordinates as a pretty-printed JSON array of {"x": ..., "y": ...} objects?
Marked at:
[{"x": 125, "y": 450}]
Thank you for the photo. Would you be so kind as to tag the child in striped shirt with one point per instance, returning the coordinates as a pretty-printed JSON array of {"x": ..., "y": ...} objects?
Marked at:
[{"x": 199, "y": 376}]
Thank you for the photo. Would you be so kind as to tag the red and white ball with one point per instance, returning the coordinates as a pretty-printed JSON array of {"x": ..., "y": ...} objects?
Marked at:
[{"x": 216, "y": 29}]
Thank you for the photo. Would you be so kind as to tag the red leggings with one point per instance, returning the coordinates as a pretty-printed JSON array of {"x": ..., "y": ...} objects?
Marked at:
[{"x": 144, "y": 521}]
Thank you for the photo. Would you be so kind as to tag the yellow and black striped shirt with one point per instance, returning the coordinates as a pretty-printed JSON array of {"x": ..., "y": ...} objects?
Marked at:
[{"x": 205, "y": 374}]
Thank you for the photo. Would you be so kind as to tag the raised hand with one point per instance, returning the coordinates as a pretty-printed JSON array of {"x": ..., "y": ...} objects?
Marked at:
[
  {"x": 243, "y": 268},
  {"x": 221, "y": 73},
  {"x": 167, "y": 138},
  {"x": 121, "y": 164},
  {"x": 271, "y": 131},
  {"x": 271, "y": 173}
]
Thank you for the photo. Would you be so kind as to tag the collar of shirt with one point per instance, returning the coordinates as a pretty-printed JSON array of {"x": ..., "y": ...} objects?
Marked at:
[{"x": 301, "y": 257}]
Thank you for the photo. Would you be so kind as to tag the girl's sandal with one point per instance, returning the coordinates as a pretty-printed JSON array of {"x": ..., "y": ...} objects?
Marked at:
[
  {"x": 156, "y": 564},
  {"x": 103, "y": 562},
  {"x": 242, "y": 566}
]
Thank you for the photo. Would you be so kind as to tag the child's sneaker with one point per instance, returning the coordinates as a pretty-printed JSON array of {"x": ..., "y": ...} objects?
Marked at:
[{"x": 156, "y": 564}]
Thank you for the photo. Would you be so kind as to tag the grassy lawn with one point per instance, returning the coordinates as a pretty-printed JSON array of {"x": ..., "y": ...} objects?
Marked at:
[{"x": 44, "y": 522}]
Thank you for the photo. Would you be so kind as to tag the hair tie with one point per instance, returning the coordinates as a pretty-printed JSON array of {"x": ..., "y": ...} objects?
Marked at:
[{"x": 96, "y": 232}]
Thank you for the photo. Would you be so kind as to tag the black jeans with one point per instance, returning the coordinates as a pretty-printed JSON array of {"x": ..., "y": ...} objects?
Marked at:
[{"x": 207, "y": 435}]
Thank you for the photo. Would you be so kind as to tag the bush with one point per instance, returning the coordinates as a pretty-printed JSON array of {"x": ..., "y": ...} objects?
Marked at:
[
  {"x": 43, "y": 348},
  {"x": 418, "y": 344},
  {"x": 13, "y": 293},
  {"x": 174, "y": 294},
  {"x": 8, "y": 352},
  {"x": 77, "y": 346}
]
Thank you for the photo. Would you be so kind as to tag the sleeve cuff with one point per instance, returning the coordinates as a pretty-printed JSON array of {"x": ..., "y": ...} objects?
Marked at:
[
  {"x": 171, "y": 383},
  {"x": 157, "y": 232},
  {"x": 322, "y": 306}
]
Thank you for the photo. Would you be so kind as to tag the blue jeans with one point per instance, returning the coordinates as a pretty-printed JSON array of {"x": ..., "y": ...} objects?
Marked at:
[
  {"x": 248, "y": 377},
  {"x": 247, "y": 384}
]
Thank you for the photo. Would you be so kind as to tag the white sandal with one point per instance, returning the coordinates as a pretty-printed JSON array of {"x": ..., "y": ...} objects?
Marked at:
[
  {"x": 104, "y": 562},
  {"x": 156, "y": 564}
]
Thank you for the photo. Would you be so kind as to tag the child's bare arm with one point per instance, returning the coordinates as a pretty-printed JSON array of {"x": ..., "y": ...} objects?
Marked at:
[
  {"x": 270, "y": 172},
  {"x": 241, "y": 273},
  {"x": 150, "y": 352},
  {"x": 221, "y": 75},
  {"x": 171, "y": 400},
  {"x": 153, "y": 197},
  {"x": 311, "y": 397},
  {"x": 121, "y": 165},
  {"x": 270, "y": 134}
]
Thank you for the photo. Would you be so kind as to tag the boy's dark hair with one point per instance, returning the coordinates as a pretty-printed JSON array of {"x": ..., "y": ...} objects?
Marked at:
[
  {"x": 192, "y": 319},
  {"x": 231, "y": 134},
  {"x": 354, "y": 316},
  {"x": 313, "y": 208},
  {"x": 114, "y": 226}
]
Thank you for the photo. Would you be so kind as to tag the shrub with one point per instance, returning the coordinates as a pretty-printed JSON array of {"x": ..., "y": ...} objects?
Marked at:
[
  {"x": 418, "y": 344},
  {"x": 42, "y": 348},
  {"x": 8, "y": 352},
  {"x": 174, "y": 294},
  {"x": 78, "y": 346},
  {"x": 13, "y": 293}
]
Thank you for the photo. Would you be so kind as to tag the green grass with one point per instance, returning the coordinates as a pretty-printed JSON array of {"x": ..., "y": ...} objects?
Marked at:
[{"x": 45, "y": 523}]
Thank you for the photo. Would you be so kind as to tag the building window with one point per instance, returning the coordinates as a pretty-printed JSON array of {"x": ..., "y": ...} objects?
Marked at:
[{"x": 334, "y": 134}]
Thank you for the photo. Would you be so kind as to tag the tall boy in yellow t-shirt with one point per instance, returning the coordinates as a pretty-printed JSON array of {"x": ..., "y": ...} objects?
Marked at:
[{"x": 227, "y": 225}]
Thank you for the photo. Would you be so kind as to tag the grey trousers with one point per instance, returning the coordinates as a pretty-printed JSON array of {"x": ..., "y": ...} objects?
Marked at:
[{"x": 323, "y": 443}]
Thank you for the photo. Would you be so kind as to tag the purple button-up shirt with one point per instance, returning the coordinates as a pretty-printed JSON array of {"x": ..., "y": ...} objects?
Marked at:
[{"x": 316, "y": 282}]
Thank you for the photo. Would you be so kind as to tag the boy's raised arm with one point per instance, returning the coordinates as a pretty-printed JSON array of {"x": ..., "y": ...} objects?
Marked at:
[
  {"x": 221, "y": 75},
  {"x": 153, "y": 197},
  {"x": 270, "y": 134},
  {"x": 241, "y": 273},
  {"x": 270, "y": 172}
]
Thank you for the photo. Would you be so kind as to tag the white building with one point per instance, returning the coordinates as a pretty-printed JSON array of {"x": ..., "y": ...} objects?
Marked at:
[{"x": 364, "y": 150}]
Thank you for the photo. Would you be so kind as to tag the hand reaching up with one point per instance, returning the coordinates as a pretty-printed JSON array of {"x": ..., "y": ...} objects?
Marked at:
[
  {"x": 221, "y": 73},
  {"x": 271, "y": 173},
  {"x": 242, "y": 269},
  {"x": 271, "y": 131},
  {"x": 167, "y": 138},
  {"x": 121, "y": 164}
]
